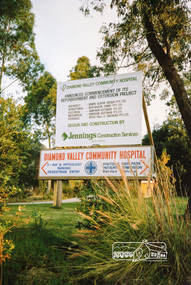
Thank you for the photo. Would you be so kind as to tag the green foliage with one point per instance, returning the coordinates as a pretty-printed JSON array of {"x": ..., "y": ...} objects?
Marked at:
[
  {"x": 83, "y": 69},
  {"x": 132, "y": 218},
  {"x": 125, "y": 43},
  {"x": 38, "y": 224},
  {"x": 172, "y": 137},
  {"x": 40, "y": 105},
  {"x": 154, "y": 37},
  {"x": 174, "y": 112},
  {"x": 42, "y": 187},
  {"x": 87, "y": 192},
  {"x": 18, "y": 150},
  {"x": 18, "y": 55},
  {"x": 70, "y": 188},
  {"x": 39, "y": 258},
  {"x": 49, "y": 251},
  {"x": 6, "y": 245},
  {"x": 7, "y": 190}
]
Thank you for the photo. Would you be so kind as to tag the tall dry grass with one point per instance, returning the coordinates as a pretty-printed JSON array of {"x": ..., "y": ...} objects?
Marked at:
[{"x": 129, "y": 217}]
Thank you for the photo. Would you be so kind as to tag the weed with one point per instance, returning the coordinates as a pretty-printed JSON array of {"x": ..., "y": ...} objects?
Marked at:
[{"x": 38, "y": 224}]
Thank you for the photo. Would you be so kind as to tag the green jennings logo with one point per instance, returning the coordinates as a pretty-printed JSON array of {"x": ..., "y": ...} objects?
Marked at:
[
  {"x": 78, "y": 136},
  {"x": 64, "y": 136}
]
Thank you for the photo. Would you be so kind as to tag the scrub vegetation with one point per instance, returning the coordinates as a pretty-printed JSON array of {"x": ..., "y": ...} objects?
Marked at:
[
  {"x": 41, "y": 245},
  {"x": 119, "y": 213},
  {"x": 73, "y": 244}
]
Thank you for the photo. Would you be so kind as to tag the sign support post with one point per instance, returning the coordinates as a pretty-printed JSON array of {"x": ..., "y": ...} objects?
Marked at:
[
  {"x": 149, "y": 129},
  {"x": 57, "y": 200}
]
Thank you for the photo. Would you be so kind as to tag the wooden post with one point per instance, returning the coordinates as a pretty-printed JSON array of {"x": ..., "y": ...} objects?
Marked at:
[
  {"x": 149, "y": 129},
  {"x": 48, "y": 191},
  {"x": 57, "y": 200},
  {"x": 55, "y": 193}
]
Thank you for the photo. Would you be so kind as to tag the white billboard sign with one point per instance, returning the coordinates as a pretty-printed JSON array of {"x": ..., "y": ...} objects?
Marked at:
[
  {"x": 87, "y": 163},
  {"x": 99, "y": 111}
]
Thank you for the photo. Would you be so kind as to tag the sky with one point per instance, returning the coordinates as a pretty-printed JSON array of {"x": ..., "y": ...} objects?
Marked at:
[{"x": 63, "y": 34}]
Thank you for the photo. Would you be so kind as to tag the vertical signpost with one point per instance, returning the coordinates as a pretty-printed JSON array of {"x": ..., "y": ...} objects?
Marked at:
[
  {"x": 102, "y": 116},
  {"x": 57, "y": 201}
]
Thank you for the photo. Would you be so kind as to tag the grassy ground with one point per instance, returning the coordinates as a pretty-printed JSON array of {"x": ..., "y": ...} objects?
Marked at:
[
  {"x": 41, "y": 246},
  {"x": 40, "y": 255}
]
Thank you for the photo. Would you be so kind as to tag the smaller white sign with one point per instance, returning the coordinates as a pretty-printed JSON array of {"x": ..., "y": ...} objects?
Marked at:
[
  {"x": 139, "y": 251},
  {"x": 87, "y": 163}
]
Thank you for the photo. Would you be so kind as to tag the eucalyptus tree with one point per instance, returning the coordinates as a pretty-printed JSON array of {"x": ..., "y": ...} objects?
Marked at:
[
  {"x": 154, "y": 36},
  {"x": 83, "y": 69},
  {"x": 19, "y": 150},
  {"x": 18, "y": 56},
  {"x": 40, "y": 106},
  {"x": 40, "y": 109}
]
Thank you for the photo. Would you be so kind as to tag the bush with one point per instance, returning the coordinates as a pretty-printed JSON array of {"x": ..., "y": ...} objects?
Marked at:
[
  {"x": 6, "y": 245},
  {"x": 89, "y": 193},
  {"x": 128, "y": 217}
]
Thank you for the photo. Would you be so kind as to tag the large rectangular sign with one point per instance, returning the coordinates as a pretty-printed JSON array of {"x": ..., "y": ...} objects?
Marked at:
[
  {"x": 87, "y": 163},
  {"x": 99, "y": 111}
]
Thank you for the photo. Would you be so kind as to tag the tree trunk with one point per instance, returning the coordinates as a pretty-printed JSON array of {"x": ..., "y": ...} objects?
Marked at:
[
  {"x": 2, "y": 70},
  {"x": 173, "y": 78},
  {"x": 187, "y": 214},
  {"x": 4, "y": 57},
  {"x": 171, "y": 74}
]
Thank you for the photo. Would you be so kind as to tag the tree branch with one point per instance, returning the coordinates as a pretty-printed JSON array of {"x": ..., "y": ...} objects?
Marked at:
[{"x": 8, "y": 85}]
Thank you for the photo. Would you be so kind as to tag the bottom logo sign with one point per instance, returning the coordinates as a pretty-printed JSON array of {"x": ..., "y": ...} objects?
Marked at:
[
  {"x": 90, "y": 167},
  {"x": 98, "y": 162},
  {"x": 137, "y": 251}
]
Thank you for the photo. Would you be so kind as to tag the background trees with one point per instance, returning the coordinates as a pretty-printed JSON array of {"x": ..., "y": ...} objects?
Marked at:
[
  {"x": 154, "y": 36},
  {"x": 40, "y": 107},
  {"x": 172, "y": 137},
  {"x": 83, "y": 69},
  {"x": 19, "y": 150},
  {"x": 18, "y": 57}
]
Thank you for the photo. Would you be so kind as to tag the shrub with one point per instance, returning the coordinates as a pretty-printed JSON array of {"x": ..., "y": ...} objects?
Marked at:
[
  {"x": 89, "y": 193},
  {"x": 6, "y": 245},
  {"x": 128, "y": 217},
  {"x": 37, "y": 224}
]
